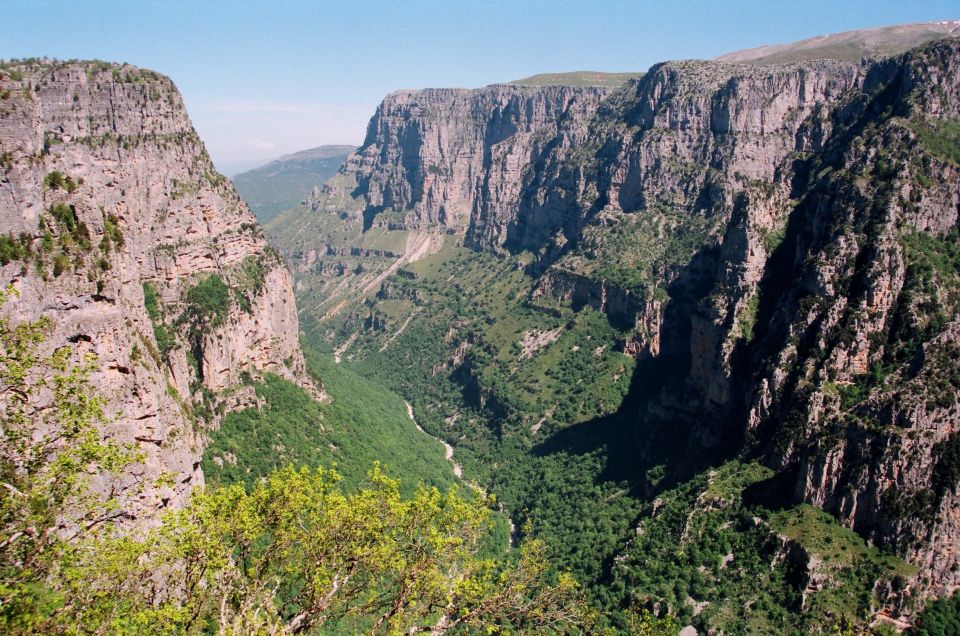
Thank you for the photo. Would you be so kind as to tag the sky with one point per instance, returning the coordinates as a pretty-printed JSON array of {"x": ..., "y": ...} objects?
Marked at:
[{"x": 262, "y": 79}]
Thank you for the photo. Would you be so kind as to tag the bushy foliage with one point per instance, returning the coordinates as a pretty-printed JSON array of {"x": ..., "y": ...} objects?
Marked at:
[
  {"x": 50, "y": 450},
  {"x": 65, "y": 216},
  {"x": 250, "y": 276},
  {"x": 293, "y": 553},
  {"x": 14, "y": 249},
  {"x": 941, "y": 139},
  {"x": 296, "y": 554},
  {"x": 207, "y": 306},
  {"x": 208, "y": 303},
  {"x": 112, "y": 234},
  {"x": 162, "y": 333},
  {"x": 57, "y": 180},
  {"x": 64, "y": 240},
  {"x": 360, "y": 424},
  {"x": 939, "y": 618}
]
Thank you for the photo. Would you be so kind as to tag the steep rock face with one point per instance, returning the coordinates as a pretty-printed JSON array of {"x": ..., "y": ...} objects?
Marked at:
[
  {"x": 438, "y": 167},
  {"x": 854, "y": 383},
  {"x": 457, "y": 157},
  {"x": 814, "y": 314},
  {"x": 669, "y": 158},
  {"x": 111, "y": 196},
  {"x": 689, "y": 134},
  {"x": 777, "y": 242}
]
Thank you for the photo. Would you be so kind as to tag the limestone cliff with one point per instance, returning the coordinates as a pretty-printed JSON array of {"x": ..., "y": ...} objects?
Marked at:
[
  {"x": 777, "y": 242},
  {"x": 117, "y": 226},
  {"x": 438, "y": 167},
  {"x": 457, "y": 158}
]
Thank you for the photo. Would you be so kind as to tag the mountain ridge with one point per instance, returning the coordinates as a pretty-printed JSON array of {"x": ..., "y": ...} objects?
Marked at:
[
  {"x": 286, "y": 181},
  {"x": 850, "y": 46},
  {"x": 692, "y": 261},
  {"x": 576, "y": 78}
]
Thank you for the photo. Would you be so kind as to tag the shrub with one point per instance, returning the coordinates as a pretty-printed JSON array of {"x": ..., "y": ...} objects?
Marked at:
[
  {"x": 65, "y": 219},
  {"x": 57, "y": 180},
  {"x": 164, "y": 335},
  {"x": 208, "y": 303},
  {"x": 942, "y": 139},
  {"x": 939, "y": 618},
  {"x": 112, "y": 235},
  {"x": 12, "y": 249}
]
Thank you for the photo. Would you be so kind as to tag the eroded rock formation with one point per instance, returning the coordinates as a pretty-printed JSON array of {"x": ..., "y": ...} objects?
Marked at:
[
  {"x": 107, "y": 195},
  {"x": 780, "y": 240}
]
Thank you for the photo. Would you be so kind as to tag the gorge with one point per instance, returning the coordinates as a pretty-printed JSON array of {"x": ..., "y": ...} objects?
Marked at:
[
  {"x": 726, "y": 263},
  {"x": 694, "y": 330}
]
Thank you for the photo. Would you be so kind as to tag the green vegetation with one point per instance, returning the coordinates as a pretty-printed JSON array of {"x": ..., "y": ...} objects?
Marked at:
[
  {"x": 64, "y": 217},
  {"x": 250, "y": 278},
  {"x": 48, "y": 454},
  {"x": 941, "y": 139},
  {"x": 183, "y": 189},
  {"x": 14, "y": 249},
  {"x": 639, "y": 249},
  {"x": 284, "y": 183},
  {"x": 208, "y": 303},
  {"x": 164, "y": 335},
  {"x": 854, "y": 393},
  {"x": 939, "y": 618},
  {"x": 477, "y": 303},
  {"x": 578, "y": 78},
  {"x": 57, "y": 180},
  {"x": 709, "y": 554},
  {"x": 294, "y": 553},
  {"x": 207, "y": 306},
  {"x": 362, "y": 423},
  {"x": 747, "y": 319},
  {"x": 773, "y": 238},
  {"x": 64, "y": 240},
  {"x": 931, "y": 290},
  {"x": 537, "y": 401},
  {"x": 112, "y": 235}
]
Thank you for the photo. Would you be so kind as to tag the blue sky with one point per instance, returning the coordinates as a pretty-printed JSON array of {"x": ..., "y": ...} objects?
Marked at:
[{"x": 261, "y": 79}]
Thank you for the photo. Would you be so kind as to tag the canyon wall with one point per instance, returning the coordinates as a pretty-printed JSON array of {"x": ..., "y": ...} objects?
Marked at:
[
  {"x": 121, "y": 231},
  {"x": 778, "y": 242}
]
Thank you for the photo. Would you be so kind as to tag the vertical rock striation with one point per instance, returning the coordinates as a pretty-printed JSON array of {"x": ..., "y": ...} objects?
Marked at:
[
  {"x": 779, "y": 243},
  {"x": 457, "y": 158},
  {"x": 139, "y": 252}
]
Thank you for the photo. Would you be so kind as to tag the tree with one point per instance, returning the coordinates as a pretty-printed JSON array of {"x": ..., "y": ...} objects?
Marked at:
[
  {"x": 644, "y": 623},
  {"x": 50, "y": 449},
  {"x": 294, "y": 553}
]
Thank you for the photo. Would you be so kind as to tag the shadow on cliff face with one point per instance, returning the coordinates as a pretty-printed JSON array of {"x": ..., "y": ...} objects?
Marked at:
[{"x": 650, "y": 453}]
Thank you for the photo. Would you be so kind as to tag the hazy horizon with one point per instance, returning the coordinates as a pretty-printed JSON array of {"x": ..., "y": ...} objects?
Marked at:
[{"x": 263, "y": 81}]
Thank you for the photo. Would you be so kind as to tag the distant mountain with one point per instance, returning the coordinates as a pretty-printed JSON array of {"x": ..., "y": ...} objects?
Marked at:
[
  {"x": 285, "y": 182},
  {"x": 577, "y": 78},
  {"x": 850, "y": 46}
]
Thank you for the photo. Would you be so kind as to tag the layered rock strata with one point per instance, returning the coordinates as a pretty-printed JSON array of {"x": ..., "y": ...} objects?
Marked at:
[
  {"x": 127, "y": 238},
  {"x": 778, "y": 243}
]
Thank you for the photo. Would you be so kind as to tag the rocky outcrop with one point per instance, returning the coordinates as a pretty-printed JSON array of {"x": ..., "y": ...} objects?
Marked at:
[
  {"x": 854, "y": 386},
  {"x": 777, "y": 244},
  {"x": 139, "y": 252},
  {"x": 458, "y": 158}
]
